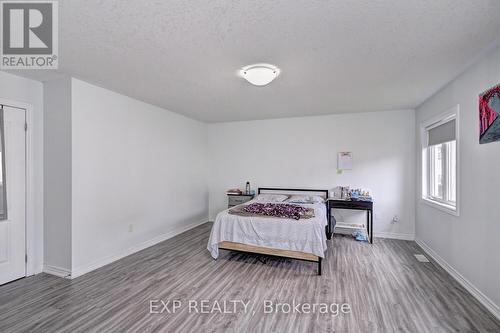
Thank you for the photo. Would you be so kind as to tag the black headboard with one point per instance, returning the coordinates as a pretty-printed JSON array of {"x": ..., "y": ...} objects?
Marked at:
[{"x": 292, "y": 191}]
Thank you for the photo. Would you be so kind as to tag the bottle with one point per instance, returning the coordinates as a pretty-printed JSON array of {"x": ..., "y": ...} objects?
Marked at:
[{"x": 247, "y": 188}]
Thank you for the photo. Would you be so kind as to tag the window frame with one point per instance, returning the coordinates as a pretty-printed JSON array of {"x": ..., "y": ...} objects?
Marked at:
[
  {"x": 443, "y": 205},
  {"x": 4, "y": 213}
]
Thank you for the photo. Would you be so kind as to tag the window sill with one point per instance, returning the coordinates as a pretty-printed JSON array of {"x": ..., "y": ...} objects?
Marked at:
[{"x": 441, "y": 206}]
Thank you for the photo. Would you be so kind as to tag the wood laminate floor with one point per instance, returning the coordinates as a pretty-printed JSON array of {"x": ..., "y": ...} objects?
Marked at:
[{"x": 386, "y": 288}]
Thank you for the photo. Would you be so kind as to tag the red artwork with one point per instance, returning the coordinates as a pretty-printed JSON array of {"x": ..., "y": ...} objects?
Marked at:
[{"x": 489, "y": 120}]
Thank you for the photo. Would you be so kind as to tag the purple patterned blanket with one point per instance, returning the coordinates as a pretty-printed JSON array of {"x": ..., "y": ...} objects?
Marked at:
[{"x": 281, "y": 210}]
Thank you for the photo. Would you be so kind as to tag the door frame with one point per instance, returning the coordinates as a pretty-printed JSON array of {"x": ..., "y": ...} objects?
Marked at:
[{"x": 30, "y": 238}]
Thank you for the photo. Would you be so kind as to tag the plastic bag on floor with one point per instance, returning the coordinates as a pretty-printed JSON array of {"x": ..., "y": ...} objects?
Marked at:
[{"x": 360, "y": 236}]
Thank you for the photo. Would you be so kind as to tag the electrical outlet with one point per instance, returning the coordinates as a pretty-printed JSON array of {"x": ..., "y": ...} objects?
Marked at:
[{"x": 130, "y": 228}]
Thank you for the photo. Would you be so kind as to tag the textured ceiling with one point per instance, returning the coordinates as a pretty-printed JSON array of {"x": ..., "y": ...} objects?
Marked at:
[{"x": 335, "y": 56}]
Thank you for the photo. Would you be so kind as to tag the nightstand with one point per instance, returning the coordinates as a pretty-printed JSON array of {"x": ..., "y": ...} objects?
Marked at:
[{"x": 238, "y": 199}]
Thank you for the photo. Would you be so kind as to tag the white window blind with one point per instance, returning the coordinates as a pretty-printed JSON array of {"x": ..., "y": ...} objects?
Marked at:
[{"x": 442, "y": 133}]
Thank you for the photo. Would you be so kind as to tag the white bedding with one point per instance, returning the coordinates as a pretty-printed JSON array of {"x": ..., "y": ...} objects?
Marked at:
[{"x": 305, "y": 235}]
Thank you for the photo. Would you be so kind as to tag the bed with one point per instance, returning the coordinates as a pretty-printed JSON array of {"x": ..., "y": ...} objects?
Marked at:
[{"x": 303, "y": 239}]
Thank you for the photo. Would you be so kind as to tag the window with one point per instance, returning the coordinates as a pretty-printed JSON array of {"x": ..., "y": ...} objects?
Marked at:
[{"x": 439, "y": 162}]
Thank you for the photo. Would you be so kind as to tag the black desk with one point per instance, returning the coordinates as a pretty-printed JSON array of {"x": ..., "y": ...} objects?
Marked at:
[{"x": 355, "y": 205}]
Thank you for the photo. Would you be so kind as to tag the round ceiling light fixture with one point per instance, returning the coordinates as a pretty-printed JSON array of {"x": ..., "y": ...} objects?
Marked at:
[{"x": 260, "y": 74}]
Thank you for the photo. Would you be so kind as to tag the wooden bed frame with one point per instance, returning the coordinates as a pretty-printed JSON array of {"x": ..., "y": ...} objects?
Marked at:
[{"x": 225, "y": 245}]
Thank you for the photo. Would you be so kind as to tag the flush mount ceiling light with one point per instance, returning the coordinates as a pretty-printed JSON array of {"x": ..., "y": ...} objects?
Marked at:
[{"x": 259, "y": 74}]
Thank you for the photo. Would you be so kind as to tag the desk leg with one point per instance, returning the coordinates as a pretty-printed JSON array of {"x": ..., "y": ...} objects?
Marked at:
[
  {"x": 368, "y": 233},
  {"x": 371, "y": 226},
  {"x": 329, "y": 231}
]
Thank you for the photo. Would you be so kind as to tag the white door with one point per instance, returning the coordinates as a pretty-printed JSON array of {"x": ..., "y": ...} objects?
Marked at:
[{"x": 13, "y": 195}]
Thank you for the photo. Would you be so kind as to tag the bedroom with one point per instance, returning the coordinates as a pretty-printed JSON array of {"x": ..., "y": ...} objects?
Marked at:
[{"x": 111, "y": 192}]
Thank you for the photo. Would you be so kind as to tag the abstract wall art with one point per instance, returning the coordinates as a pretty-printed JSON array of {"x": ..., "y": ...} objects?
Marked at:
[{"x": 489, "y": 115}]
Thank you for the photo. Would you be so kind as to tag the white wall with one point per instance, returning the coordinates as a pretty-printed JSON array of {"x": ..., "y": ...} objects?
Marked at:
[
  {"x": 302, "y": 152},
  {"x": 57, "y": 175},
  {"x": 23, "y": 90},
  {"x": 134, "y": 166},
  {"x": 468, "y": 243}
]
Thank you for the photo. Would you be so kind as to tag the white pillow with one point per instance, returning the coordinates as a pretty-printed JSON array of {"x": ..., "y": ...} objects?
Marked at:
[
  {"x": 317, "y": 199},
  {"x": 271, "y": 198},
  {"x": 305, "y": 199}
]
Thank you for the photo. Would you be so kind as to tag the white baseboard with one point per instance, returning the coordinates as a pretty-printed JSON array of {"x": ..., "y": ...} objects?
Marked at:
[
  {"x": 57, "y": 271},
  {"x": 79, "y": 271},
  {"x": 482, "y": 298},
  {"x": 395, "y": 235}
]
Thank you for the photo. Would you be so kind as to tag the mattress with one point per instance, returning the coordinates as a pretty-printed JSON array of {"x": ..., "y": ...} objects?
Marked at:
[{"x": 304, "y": 235}]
